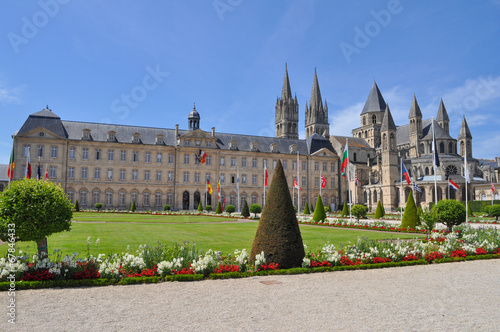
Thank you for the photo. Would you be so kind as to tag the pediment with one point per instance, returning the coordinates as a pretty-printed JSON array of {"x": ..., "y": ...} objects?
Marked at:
[
  {"x": 324, "y": 152},
  {"x": 41, "y": 132},
  {"x": 198, "y": 134}
]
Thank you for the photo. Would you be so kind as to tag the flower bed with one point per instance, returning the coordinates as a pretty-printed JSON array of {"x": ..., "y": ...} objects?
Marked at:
[{"x": 185, "y": 262}]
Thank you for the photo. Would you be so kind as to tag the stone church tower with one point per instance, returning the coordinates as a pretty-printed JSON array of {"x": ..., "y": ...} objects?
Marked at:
[
  {"x": 389, "y": 159},
  {"x": 371, "y": 118},
  {"x": 287, "y": 112},
  {"x": 465, "y": 139},
  {"x": 416, "y": 131},
  {"x": 442, "y": 118},
  {"x": 316, "y": 115}
]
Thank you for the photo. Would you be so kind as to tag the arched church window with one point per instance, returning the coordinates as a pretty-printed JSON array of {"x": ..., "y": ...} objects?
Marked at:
[
  {"x": 374, "y": 118},
  {"x": 427, "y": 171},
  {"x": 450, "y": 148},
  {"x": 441, "y": 147},
  {"x": 364, "y": 121}
]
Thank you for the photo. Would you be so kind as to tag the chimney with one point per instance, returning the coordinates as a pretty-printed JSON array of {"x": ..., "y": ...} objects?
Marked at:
[
  {"x": 176, "y": 131},
  {"x": 498, "y": 161},
  {"x": 213, "y": 132}
]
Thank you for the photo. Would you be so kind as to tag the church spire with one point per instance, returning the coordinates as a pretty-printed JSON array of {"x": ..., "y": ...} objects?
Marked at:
[
  {"x": 415, "y": 109},
  {"x": 464, "y": 130},
  {"x": 375, "y": 102},
  {"x": 388, "y": 121},
  {"x": 286, "y": 93},
  {"x": 442, "y": 114},
  {"x": 316, "y": 115},
  {"x": 315, "y": 101}
]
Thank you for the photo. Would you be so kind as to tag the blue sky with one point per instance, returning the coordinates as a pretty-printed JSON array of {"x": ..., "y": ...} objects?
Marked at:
[{"x": 146, "y": 63}]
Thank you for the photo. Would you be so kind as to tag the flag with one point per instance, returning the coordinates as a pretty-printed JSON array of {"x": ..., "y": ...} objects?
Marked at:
[
  {"x": 435, "y": 161},
  {"x": 453, "y": 185},
  {"x": 404, "y": 173},
  {"x": 46, "y": 172},
  {"x": 223, "y": 204},
  {"x": 202, "y": 156},
  {"x": 38, "y": 172},
  {"x": 10, "y": 170},
  {"x": 355, "y": 179},
  {"x": 323, "y": 181},
  {"x": 265, "y": 177},
  {"x": 209, "y": 187},
  {"x": 218, "y": 189},
  {"x": 296, "y": 183},
  {"x": 416, "y": 187},
  {"x": 238, "y": 181},
  {"x": 492, "y": 186},
  {"x": 28, "y": 166},
  {"x": 466, "y": 170},
  {"x": 345, "y": 162}
]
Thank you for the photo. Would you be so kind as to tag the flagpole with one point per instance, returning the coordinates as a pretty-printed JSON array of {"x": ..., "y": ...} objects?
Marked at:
[
  {"x": 238, "y": 187},
  {"x": 449, "y": 196},
  {"x": 434, "y": 149},
  {"x": 349, "y": 179},
  {"x": 466, "y": 173},
  {"x": 298, "y": 185},
  {"x": 321, "y": 178},
  {"x": 401, "y": 191}
]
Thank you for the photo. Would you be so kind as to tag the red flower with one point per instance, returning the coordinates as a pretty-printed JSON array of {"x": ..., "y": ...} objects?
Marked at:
[
  {"x": 412, "y": 257},
  {"x": 377, "y": 260},
  {"x": 481, "y": 251},
  {"x": 433, "y": 256},
  {"x": 459, "y": 253}
]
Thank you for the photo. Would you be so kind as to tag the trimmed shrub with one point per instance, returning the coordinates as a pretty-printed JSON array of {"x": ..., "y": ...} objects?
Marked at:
[
  {"x": 133, "y": 208},
  {"x": 359, "y": 211},
  {"x": 200, "y": 207},
  {"x": 245, "y": 212},
  {"x": 327, "y": 209},
  {"x": 419, "y": 209},
  {"x": 306, "y": 210},
  {"x": 345, "y": 211},
  {"x": 77, "y": 206},
  {"x": 469, "y": 210},
  {"x": 230, "y": 209},
  {"x": 431, "y": 205},
  {"x": 410, "y": 216},
  {"x": 98, "y": 206},
  {"x": 218, "y": 209},
  {"x": 487, "y": 209},
  {"x": 319, "y": 211},
  {"x": 383, "y": 209},
  {"x": 166, "y": 207},
  {"x": 494, "y": 211},
  {"x": 208, "y": 208},
  {"x": 379, "y": 213},
  {"x": 478, "y": 206},
  {"x": 255, "y": 208},
  {"x": 450, "y": 212},
  {"x": 278, "y": 234}
]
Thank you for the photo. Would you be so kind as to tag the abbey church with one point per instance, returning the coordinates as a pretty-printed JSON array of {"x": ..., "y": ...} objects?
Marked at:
[{"x": 116, "y": 165}]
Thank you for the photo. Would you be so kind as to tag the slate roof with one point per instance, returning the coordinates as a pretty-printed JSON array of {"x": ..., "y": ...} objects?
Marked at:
[
  {"x": 403, "y": 132},
  {"x": 442, "y": 114},
  {"x": 415, "y": 109},
  {"x": 353, "y": 142},
  {"x": 73, "y": 130},
  {"x": 286, "y": 92},
  {"x": 375, "y": 102},
  {"x": 388, "y": 121},
  {"x": 464, "y": 130}
]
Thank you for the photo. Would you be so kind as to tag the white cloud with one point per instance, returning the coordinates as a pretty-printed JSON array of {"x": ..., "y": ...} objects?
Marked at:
[
  {"x": 342, "y": 122},
  {"x": 10, "y": 95}
]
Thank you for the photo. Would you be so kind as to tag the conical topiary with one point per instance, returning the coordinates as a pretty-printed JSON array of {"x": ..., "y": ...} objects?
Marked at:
[
  {"x": 245, "y": 211},
  {"x": 420, "y": 210},
  {"x": 410, "y": 217},
  {"x": 379, "y": 213},
  {"x": 319, "y": 212},
  {"x": 77, "y": 206},
  {"x": 278, "y": 234},
  {"x": 133, "y": 208},
  {"x": 345, "y": 211},
  {"x": 218, "y": 209},
  {"x": 200, "y": 207},
  {"x": 383, "y": 208},
  {"x": 306, "y": 209}
]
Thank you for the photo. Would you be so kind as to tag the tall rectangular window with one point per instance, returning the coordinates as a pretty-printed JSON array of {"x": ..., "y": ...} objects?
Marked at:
[
  {"x": 170, "y": 158},
  {"x": 111, "y": 155},
  {"x": 26, "y": 150},
  {"x": 123, "y": 155},
  {"x": 316, "y": 166},
  {"x": 122, "y": 174},
  {"x": 244, "y": 162},
  {"x": 97, "y": 173},
  {"x": 85, "y": 154},
  {"x": 97, "y": 154},
  {"x": 134, "y": 175},
  {"x": 233, "y": 161},
  {"x": 222, "y": 179},
  {"x": 304, "y": 166},
  {"x": 158, "y": 157},
  {"x": 332, "y": 167},
  {"x": 158, "y": 176},
  {"x": 186, "y": 159},
  {"x": 274, "y": 163},
  {"x": 294, "y": 165},
  {"x": 243, "y": 179},
  {"x": 254, "y": 180},
  {"x": 135, "y": 156},
  {"x": 186, "y": 177},
  {"x": 121, "y": 198},
  {"x": 222, "y": 161},
  {"x": 53, "y": 153},
  {"x": 158, "y": 199},
  {"x": 170, "y": 176},
  {"x": 325, "y": 167},
  {"x": 316, "y": 182},
  {"x": 254, "y": 162},
  {"x": 285, "y": 164},
  {"x": 40, "y": 152},
  {"x": 84, "y": 173},
  {"x": 71, "y": 173},
  {"x": 196, "y": 177},
  {"x": 209, "y": 160},
  {"x": 146, "y": 175},
  {"x": 147, "y": 157},
  {"x": 53, "y": 172},
  {"x": 110, "y": 174},
  {"x": 71, "y": 153},
  {"x": 264, "y": 163}
]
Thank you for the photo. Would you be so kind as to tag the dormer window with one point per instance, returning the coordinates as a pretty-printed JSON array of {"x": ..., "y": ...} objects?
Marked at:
[
  {"x": 187, "y": 142},
  {"x": 209, "y": 144},
  {"x": 159, "y": 139},
  {"x": 111, "y": 136},
  {"x": 273, "y": 147},
  {"x": 293, "y": 148},
  {"x": 86, "y": 134},
  {"x": 254, "y": 146},
  {"x": 233, "y": 144},
  {"x": 136, "y": 138}
]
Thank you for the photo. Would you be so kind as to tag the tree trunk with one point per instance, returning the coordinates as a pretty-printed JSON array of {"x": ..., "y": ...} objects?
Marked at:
[{"x": 42, "y": 248}]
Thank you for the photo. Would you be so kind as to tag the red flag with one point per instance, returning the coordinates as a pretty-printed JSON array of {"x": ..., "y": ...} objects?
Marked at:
[
  {"x": 296, "y": 182},
  {"x": 223, "y": 204},
  {"x": 404, "y": 173},
  {"x": 28, "y": 166},
  {"x": 203, "y": 156},
  {"x": 323, "y": 181},
  {"x": 10, "y": 170},
  {"x": 492, "y": 186},
  {"x": 209, "y": 187},
  {"x": 46, "y": 172},
  {"x": 453, "y": 185},
  {"x": 265, "y": 177},
  {"x": 355, "y": 179}
]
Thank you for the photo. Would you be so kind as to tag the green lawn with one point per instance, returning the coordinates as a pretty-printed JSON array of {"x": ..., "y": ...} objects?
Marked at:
[
  {"x": 114, "y": 237},
  {"x": 125, "y": 217}
]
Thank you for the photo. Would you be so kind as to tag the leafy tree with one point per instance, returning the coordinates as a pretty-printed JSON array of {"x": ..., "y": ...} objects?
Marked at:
[
  {"x": 218, "y": 209},
  {"x": 200, "y": 207},
  {"x": 429, "y": 221},
  {"x": 359, "y": 211},
  {"x": 133, "y": 208},
  {"x": 379, "y": 213},
  {"x": 230, "y": 209},
  {"x": 208, "y": 208},
  {"x": 245, "y": 212},
  {"x": 166, "y": 207},
  {"x": 255, "y": 208},
  {"x": 37, "y": 209},
  {"x": 486, "y": 209},
  {"x": 77, "y": 206},
  {"x": 319, "y": 211},
  {"x": 345, "y": 211},
  {"x": 306, "y": 210},
  {"x": 410, "y": 216},
  {"x": 494, "y": 211},
  {"x": 278, "y": 234},
  {"x": 450, "y": 212},
  {"x": 98, "y": 206}
]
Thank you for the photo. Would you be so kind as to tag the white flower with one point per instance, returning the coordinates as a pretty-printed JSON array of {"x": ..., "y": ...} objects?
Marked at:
[
  {"x": 97, "y": 242},
  {"x": 260, "y": 259}
]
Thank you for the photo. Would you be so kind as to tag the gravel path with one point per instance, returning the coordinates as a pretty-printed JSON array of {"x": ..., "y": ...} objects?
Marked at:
[{"x": 441, "y": 297}]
